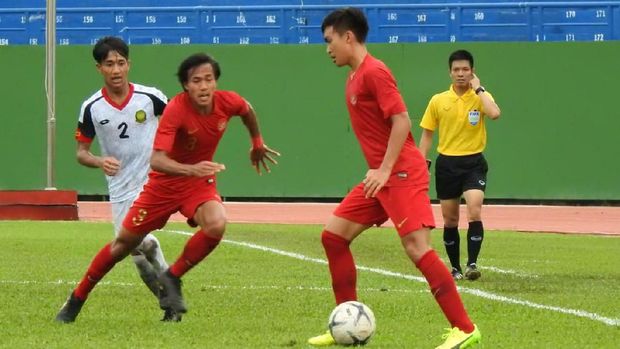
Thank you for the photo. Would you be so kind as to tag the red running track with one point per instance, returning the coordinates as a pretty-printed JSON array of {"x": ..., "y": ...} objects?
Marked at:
[{"x": 556, "y": 219}]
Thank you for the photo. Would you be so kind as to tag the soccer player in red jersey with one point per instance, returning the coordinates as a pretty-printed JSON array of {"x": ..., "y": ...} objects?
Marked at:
[
  {"x": 396, "y": 184},
  {"x": 182, "y": 179}
]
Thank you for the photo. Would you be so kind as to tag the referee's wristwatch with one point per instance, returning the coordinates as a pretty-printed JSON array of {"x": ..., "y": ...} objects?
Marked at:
[{"x": 480, "y": 89}]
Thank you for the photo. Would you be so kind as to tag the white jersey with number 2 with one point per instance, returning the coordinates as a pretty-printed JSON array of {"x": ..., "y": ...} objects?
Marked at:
[{"x": 125, "y": 132}]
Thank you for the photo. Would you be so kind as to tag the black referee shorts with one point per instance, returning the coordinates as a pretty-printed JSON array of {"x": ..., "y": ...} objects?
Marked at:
[{"x": 456, "y": 174}]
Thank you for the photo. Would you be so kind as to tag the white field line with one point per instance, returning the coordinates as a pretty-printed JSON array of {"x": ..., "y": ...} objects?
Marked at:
[
  {"x": 211, "y": 287},
  {"x": 472, "y": 291},
  {"x": 304, "y": 288},
  {"x": 501, "y": 271},
  {"x": 63, "y": 282},
  {"x": 508, "y": 271}
]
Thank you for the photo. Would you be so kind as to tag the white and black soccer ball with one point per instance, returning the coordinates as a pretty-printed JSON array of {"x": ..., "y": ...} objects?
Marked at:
[{"x": 352, "y": 323}]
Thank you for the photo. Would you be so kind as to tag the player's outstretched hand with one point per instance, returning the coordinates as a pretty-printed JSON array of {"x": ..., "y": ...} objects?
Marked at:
[
  {"x": 258, "y": 156},
  {"x": 206, "y": 168},
  {"x": 374, "y": 181},
  {"x": 110, "y": 165}
]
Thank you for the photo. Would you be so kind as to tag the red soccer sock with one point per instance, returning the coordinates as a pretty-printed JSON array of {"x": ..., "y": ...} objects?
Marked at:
[
  {"x": 444, "y": 290},
  {"x": 341, "y": 266},
  {"x": 101, "y": 265},
  {"x": 196, "y": 249}
]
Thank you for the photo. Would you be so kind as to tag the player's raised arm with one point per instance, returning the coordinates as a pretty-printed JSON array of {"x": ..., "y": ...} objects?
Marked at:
[
  {"x": 259, "y": 151},
  {"x": 161, "y": 162},
  {"x": 490, "y": 108}
]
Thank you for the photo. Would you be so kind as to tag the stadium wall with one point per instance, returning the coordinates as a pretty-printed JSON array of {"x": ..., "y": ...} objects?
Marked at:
[{"x": 556, "y": 138}]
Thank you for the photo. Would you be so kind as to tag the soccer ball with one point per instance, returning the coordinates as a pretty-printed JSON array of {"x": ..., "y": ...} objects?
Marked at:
[{"x": 352, "y": 323}]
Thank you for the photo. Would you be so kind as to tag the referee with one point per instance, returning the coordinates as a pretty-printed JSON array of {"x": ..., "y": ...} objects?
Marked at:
[{"x": 460, "y": 169}]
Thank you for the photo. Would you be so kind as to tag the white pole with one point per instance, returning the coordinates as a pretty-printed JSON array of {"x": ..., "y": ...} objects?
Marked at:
[{"x": 50, "y": 88}]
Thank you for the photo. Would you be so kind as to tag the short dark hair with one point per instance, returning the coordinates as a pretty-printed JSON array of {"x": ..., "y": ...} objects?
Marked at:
[
  {"x": 193, "y": 61},
  {"x": 347, "y": 18},
  {"x": 461, "y": 55},
  {"x": 109, "y": 43}
]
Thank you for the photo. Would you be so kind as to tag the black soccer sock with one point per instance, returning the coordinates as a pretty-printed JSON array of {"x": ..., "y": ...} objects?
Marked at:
[
  {"x": 475, "y": 235},
  {"x": 451, "y": 240}
]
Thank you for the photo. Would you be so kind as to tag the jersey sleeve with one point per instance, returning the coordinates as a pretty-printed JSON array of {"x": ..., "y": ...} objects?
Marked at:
[
  {"x": 159, "y": 102},
  {"x": 429, "y": 119},
  {"x": 85, "y": 131},
  {"x": 168, "y": 126},
  {"x": 383, "y": 86},
  {"x": 237, "y": 105}
]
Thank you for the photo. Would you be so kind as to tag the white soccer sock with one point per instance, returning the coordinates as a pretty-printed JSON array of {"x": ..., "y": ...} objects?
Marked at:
[
  {"x": 147, "y": 273},
  {"x": 152, "y": 251}
]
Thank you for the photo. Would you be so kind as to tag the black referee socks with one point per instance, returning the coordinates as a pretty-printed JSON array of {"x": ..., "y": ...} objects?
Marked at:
[
  {"x": 451, "y": 240},
  {"x": 475, "y": 235}
]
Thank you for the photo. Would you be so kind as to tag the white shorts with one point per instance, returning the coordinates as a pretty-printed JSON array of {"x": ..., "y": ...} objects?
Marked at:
[{"x": 119, "y": 211}]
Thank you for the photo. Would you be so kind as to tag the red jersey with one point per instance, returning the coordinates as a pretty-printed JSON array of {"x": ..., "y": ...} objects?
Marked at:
[
  {"x": 189, "y": 137},
  {"x": 372, "y": 97}
]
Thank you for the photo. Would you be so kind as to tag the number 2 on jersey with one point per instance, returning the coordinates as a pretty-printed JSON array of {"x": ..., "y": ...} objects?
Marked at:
[{"x": 123, "y": 127}]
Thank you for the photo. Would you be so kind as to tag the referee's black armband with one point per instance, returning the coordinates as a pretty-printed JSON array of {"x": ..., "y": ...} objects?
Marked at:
[{"x": 428, "y": 164}]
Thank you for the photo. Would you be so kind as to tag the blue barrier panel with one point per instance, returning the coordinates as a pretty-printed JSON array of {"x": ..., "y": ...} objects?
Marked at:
[
  {"x": 153, "y": 18},
  {"x": 494, "y": 33},
  {"x": 573, "y": 23},
  {"x": 17, "y": 19},
  {"x": 83, "y": 27},
  {"x": 167, "y": 36},
  {"x": 303, "y": 25},
  {"x": 412, "y": 25},
  {"x": 557, "y": 32},
  {"x": 160, "y": 26},
  {"x": 616, "y": 22},
  {"x": 279, "y": 22},
  {"x": 576, "y": 14},
  {"x": 491, "y": 15},
  {"x": 246, "y": 27},
  {"x": 19, "y": 27},
  {"x": 12, "y": 28},
  {"x": 243, "y": 3},
  {"x": 84, "y": 19},
  {"x": 495, "y": 24}
]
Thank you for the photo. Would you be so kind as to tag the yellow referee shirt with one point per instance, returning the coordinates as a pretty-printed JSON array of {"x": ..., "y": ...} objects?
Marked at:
[{"x": 460, "y": 121}]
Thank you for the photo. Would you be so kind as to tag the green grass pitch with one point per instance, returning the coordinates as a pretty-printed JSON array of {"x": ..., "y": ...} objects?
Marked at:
[{"x": 267, "y": 286}]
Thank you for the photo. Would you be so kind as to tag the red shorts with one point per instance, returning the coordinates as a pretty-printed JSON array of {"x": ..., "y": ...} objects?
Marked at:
[
  {"x": 156, "y": 204},
  {"x": 408, "y": 207}
]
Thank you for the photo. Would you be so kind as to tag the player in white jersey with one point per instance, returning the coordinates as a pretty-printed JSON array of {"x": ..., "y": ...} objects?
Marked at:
[{"x": 124, "y": 117}]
